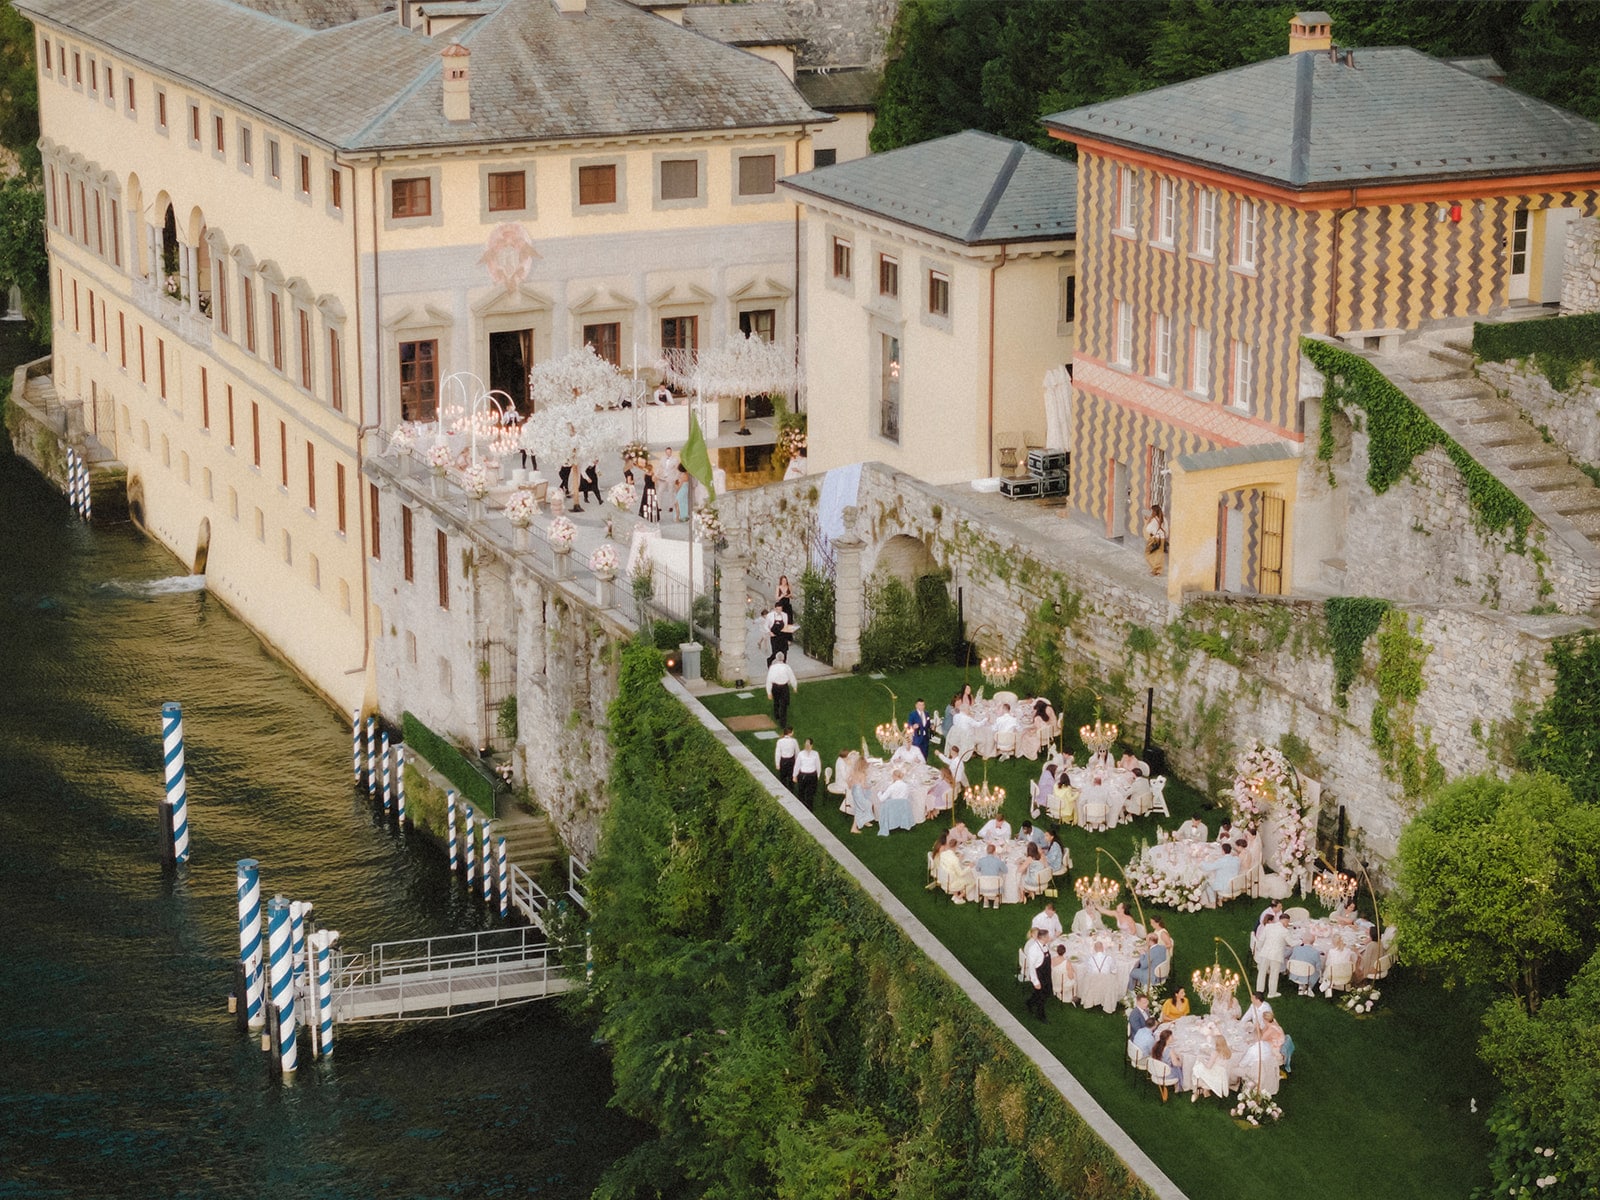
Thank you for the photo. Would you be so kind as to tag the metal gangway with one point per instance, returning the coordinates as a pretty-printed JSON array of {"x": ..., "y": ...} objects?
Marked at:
[
  {"x": 432, "y": 978},
  {"x": 536, "y": 904}
]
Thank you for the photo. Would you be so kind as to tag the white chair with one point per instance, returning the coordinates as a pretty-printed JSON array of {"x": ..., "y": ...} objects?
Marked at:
[
  {"x": 1163, "y": 970},
  {"x": 989, "y": 890},
  {"x": 1339, "y": 974},
  {"x": 1005, "y": 698},
  {"x": 1137, "y": 1059},
  {"x": 1140, "y": 797},
  {"x": 1163, "y": 1076},
  {"x": 1241, "y": 885},
  {"x": 1005, "y": 743},
  {"x": 1296, "y": 915},
  {"x": 1022, "y": 965},
  {"x": 933, "y": 872},
  {"x": 834, "y": 776},
  {"x": 1385, "y": 964},
  {"x": 1301, "y": 974},
  {"x": 1158, "y": 796},
  {"x": 1096, "y": 814}
]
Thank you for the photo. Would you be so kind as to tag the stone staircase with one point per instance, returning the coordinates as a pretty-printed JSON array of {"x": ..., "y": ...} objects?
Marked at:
[
  {"x": 531, "y": 841},
  {"x": 1436, "y": 370}
]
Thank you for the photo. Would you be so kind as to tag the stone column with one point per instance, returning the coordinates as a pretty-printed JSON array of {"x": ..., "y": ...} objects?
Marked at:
[
  {"x": 847, "y": 598},
  {"x": 732, "y": 661}
]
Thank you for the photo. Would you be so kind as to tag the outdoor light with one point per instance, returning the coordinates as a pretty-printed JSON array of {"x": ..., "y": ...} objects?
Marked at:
[
  {"x": 998, "y": 670},
  {"x": 1098, "y": 891}
]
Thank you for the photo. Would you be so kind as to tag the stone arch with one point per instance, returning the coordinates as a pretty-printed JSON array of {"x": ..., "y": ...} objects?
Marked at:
[
  {"x": 202, "y": 546},
  {"x": 907, "y": 558},
  {"x": 133, "y": 198},
  {"x": 136, "y": 500}
]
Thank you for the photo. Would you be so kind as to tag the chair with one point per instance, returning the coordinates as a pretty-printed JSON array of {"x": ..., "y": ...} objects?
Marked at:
[
  {"x": 1028, "y": 743},
  {"x": 1339, "y": 974},
  {"x": 1005, "y": 742},
  {"x": 933, "y": 872},
  {"x": 1006, "y": 698},
  {"x": 1385, "y": 963},
  {"x": 1163, "y": 1076},
  {"x": 1137, "y": 1059},
  {"x": 1241, "y": 885},
  {"x": 1301, "y": 974},
  {"x": 989, "y": 889},
  {"x": 1022, "y": 965},
  {"x": 1008, "y": 460},
  {"x": 1139, "y": 797},
  {"x": 1296, "y": 915},
  {"x": 1096, "y": 814},
  {"x": 1163, "y": 970},
  {"x": 835, "y": 776},
  {"x": 1158, "y": 796}
]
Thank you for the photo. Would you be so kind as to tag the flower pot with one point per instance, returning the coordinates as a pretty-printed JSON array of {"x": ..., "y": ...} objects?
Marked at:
[
  {"x": 563, "y": 561},
  {"x": 436, "y": 483},
  {"x": 519, "y": 537}
]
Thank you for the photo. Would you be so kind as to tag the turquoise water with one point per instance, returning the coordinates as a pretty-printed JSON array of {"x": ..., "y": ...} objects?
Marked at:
[{"x": 121, "y": 1073}]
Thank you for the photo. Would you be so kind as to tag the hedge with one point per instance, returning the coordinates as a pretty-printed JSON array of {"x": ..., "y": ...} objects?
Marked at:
[
  {"x": 1559, "y": 346},
  {"x": 473, "y": 782},
  {"x": 782, "y": 1034}
]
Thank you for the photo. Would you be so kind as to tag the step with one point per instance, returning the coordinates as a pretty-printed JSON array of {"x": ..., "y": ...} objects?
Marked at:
[
  {"x": 1552, "y": 478},
  {"x": 1587, "y": 523},
  {"x": 1452, "y": 355},
  {"x": 1575, "y": 500},
  {"x": 1511, "y": 435},
  {"x": 1459, "y": 345},
  {"x": 1522, "y": 457}
]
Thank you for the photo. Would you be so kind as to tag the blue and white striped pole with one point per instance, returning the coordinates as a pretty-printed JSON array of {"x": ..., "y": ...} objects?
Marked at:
[
  {"x": 450, "y": 821},
  {"x": 72, "y": 480},
  {"x": 177, "y": 779},
  {"x": 249, "y": 882},
  {"x": 488, "y": 860},
  {"x": 388, "y": 785},
  {"x": 372, "y": 757},
  {"x": 400, "y": 782},
  {"x": 472, "y": 851},
  {"x": 298, "y": 911},
  {"x": 322, "y": 946},
  {"x": 87, "y": 493},
  {"x": 504, "y": 865},
  {"x": 355, "y": 743},
  {"x": 280, "y": 957}
]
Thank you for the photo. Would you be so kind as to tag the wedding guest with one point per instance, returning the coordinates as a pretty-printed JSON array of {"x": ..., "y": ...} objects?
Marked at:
[
  {"x": 590, "y": 482},
  {"x": 1272, "y": 944},
  {"x": 1088, "y": 919},
  {"x": 1125, "y": 923},
  {"x": 783, "y": 595},
  {"x": 898, "y": 790},
  {"x": 1258, "y": 1011},
  {"x": 1309, "y": 953},
  {"x": 783, "y": 756},
  {"x": 649, "y": 508},
  {"x": 1047, "y": 920},
  {"x": 950, "y": 711},
  {"x": 1163, "y": 1051},
  {"x": 861, "y": 812},
  {"x": 960, "y": 879},
  {"x": 1035, "y": 873},
  {"x": 908, "y": 755},
  {"x": 1273, "y": 910},
  {"x": 1341, "y": 955},
  {"x": 807, "y": 772},
  {"x": 1367, "y": 961},
  {"x": 1226, "y": 1006},
  {"x": 989, "y": 863},
  {"x": 1044, "y": 790},
  {"x": 942, "y": 794},
  {"x": 966, "y": 696},
  {"x": 1175, "y": 1006},
  {"x": 1277, "y": 1036},
  {"x": 1144, "y": 971},
  {"x": 1064, "y": 976},
  {"x": 960, "y": 835},
  {"x": 1158, "y": 928},
  {"x": 921, "y": 726},
  {"x": 1220, "y": 875},
  {"x": 995, "y": 829},
  {"x": 1055, "y": 854},
  {"x": 1211, "y": 1078},
  {"x": 1192, "y": 830},
  {"x": 1141, "y": 1029}
]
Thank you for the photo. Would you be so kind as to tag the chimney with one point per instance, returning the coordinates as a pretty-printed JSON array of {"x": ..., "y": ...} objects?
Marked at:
[
  {"x": 1310, "y": 31},
  {"x": 457, "y": 82},
  {"x": 568, "y": 7}
]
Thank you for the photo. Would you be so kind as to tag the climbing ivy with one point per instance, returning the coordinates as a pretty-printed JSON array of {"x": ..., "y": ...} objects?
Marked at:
[
  {"x": 1564, "y": 736},
  {"x": 1559, "y": 346},
  {"x": 1351, "y": 621},
  {"x": 1401, "y": 655},
  {"x": 1399, "y": 431}
]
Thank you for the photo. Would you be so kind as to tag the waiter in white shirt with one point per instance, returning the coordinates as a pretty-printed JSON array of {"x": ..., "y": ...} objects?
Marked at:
[
  {"x": 783, "y": 756},
  {"x": 807, "y": 771},
  {"x": 781, "y": 683}
]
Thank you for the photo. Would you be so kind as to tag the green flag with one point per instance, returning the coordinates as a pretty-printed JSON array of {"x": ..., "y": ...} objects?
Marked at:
[{"x": 696, "y": 459}]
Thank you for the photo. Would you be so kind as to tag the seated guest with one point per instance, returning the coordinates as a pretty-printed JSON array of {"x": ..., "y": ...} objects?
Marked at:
[
  {"x": 1341, "y": 954},
  {"x": 1099, "y": 961},
  {"x": 1249, "y": 855},
  {"x": 966, "y": 697},
  {"x": 1144, "y": 971},
  {"x": 1212, "y": 1076},
  {"x": 1367, "y": 962},
  {"x": 1063, "y": 977},
  {"x": 942, "y": 795},
  {"x": 908, "y": 755},
  {"x": 1175, "y": 1006},
  {"x": 995, "y": 829},
  {"x": 1048, "y": 920},
  {"x": 1225, "y": 832},
  {"x": 1125, "y": 923},
  {"x": 990, "y": 863},
  {"x": 1257, "y": 1064},
  {"x": 1055, "y": 854},
  {"x": 1226, "y": 1006},
  {"x": 1308, "y": 952},
  {"x": 1345, "y": 914},
  {"x": 897, "y": 790},
  {"x": 1258, "y": 1011},
  {"x": 1088, "y": 919},
  {"x": 1163, "y": 1051},
  {"x": 1192, "y": 830},
  {"x": 1129, "y": 763},
  {"x": 961, "y": 880},
  {"x": 1043, "y": 709},
  {"x": 1006, "y": 722},
  {"x": 1158, "y": 928},
  {"x": 1028, "y": 833},
  {"x": 1277, "y": 1037},
  {"x": 1035, "y": 873},
  {"x": 1141, "y": 1029},
  {"x": 1220, "y": 876},
  {"x": 959, "y": 834},
  {"x": 1066, "y": 799}
]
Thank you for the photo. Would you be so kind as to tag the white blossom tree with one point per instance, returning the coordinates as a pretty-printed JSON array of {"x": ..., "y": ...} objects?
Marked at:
[
  {"x": 748, "y": 365},
  {"x": 571, "y": 396}
]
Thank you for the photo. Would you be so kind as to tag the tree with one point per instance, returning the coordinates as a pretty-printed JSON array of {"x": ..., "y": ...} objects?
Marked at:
[
  {"x": 1497, "y": 881},
  {"x": 571, "y": 396},
  {"x": 19, "y": 90},
  {"x": 22, "y": 255}
]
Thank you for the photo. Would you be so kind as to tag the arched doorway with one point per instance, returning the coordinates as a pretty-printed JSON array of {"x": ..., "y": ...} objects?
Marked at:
[
  {"x": 906, "y": 558},
  {"x": 202, "y": 548}
]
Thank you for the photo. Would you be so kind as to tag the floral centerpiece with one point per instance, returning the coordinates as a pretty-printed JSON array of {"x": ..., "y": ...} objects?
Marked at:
[
  {"x": 707, "y": 525},
  {"x": 475, "y": 481},
  {"x": 521, "y": 506},
  {"x": 403, "y": 439},
  {"x": 562, "y": 531},
  {"x": 1361, "y": 1000},
  {"x": 1161, "y": 887},
  {"x": 793, "y": 442},
  {"x": 1255, "y": 1106},
  {"x": 603, "y": 562},
  {"x": 438, "y": 458},
  {"x": 1267, "y": 786},
  {"x": 636, "y": 454},
  {"x": 623, "y": 496}
]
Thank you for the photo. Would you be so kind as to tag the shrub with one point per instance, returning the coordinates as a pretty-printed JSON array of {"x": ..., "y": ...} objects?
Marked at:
[
  {"x": 907, "y": 627},
  {"x": 471, "y": 779},
  {"x": 817, "y": 601},
  {"x": 1564, "y": 737},
  {"x": 1559, "y": 346}
]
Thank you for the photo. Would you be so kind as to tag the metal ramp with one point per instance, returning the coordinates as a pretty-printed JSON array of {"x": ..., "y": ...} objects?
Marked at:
[
  {"x": 433, "y": 978},
  {"x": 534, "y": 903}
]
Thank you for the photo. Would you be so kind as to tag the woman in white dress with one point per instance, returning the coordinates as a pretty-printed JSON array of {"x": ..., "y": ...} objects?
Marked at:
[
  {"x": 1155, "y": 540},
  {"x": 1211, "y": 1075}
]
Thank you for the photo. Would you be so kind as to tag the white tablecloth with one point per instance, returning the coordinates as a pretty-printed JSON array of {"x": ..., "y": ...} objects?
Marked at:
[
  {"x": 1112, "y": 787},
  {"x": 1106, "y": 988},
  {"x": 1012, "y": 854}
]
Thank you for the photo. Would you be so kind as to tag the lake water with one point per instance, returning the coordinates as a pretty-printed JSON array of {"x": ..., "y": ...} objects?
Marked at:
[{"x": 121, "y": 1073}]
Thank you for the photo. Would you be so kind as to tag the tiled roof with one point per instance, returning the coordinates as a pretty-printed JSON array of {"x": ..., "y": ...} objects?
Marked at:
[
  {"x": 849, "y": 89},
  {"x": 1307, "y": 121},
  {"x": 969, "y": 187},
  {"x": 320, "y": 14},
  {"x": 765, "y": 24},
  {"x": 537, "y": 75}
]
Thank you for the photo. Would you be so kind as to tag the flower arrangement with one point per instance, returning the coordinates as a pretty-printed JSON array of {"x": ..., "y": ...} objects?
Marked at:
[
  {"x": 1264, "y": 784},
  {"x": 562, "y": 531},
  {"x": 636, "y": 454},
  {"x": 403, "y": 438},
  {"x": 623, "y": 496},
  {"x": 1159, "y": 887},
  {"x": 707, "y": 525},
  {"x": 520, "y": 507},
  {"x": 1361, "y": 1000},
  {"x": 793, "y": 442},
  {"x": 1256, "y": 1107},
  {"x": 438, "y": 458},
  {"x": 604, "y": 560},
  {"x": 475, "y": 481}
]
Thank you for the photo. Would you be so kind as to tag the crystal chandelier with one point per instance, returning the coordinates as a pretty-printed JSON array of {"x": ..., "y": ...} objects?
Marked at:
[
  {"x": 1100, "y": 736},
  {"x": 1215, "y": 982},
  {"x": 998, "y": 670},
  {"x": 1334, "y": 888},
  {"x": 1098, "y": 891},
  {"x": 891, "y": 736},
  {"x": 986, "y": 801}
]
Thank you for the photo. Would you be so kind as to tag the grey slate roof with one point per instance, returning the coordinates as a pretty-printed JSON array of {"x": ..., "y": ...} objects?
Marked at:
[
  {"x": 764, "y": 24},
  {"x": 1306, "y": 122},
  {"x": 970, "y": 187},
  {"x": 849, "y": 89},
  {"x": 320, "y": 14},
  {"x": 370, "y": 84}
]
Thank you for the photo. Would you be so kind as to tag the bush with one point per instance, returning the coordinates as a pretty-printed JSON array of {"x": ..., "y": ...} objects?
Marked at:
[
  {"x": 817, "y": 601},
  {"x": 1559, "y": 346},
  {"x": 906, "y": 628},
  {"x": 1564, "y": 737},
  {"x": 472, "y": 781},
  {"x": 669, "y": 635},
  {"x": 506, "y": 718}
]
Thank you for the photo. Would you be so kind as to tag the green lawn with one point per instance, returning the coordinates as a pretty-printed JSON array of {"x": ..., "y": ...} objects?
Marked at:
[{"x": 1376, "y": 1107}]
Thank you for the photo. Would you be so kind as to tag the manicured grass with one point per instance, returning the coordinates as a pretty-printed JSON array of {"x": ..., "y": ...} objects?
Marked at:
[{"x": 1376, "y": 1107}]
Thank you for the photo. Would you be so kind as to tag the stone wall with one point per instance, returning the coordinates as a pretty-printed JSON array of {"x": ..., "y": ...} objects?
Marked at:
[
  {"x": 1572, "y": 417},
  {"x": 843, "y": 33},
  {"x": 1580, "y": 267},
  {"x": 1226, "y": 670}
]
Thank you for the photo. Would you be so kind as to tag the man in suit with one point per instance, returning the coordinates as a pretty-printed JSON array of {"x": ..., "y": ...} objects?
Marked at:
[
  {"x": 1141, "y": 1027},
  {"x": 1220, "y": 875},
  {"x": 1144, "y": 971},
  {"x": 1308, "y": 953},
  {"x": 1037, "y": 960},
  {"x": 921, "y": 726}
]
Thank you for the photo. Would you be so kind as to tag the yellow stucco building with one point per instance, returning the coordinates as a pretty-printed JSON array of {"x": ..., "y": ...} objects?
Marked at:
[{"x": 269, "y": 243}]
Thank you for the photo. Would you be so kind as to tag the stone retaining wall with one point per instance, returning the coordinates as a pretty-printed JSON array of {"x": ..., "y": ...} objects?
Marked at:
[
  {"x": 1572, "y": 417},
  {"x": 1580, "y": 267}
]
